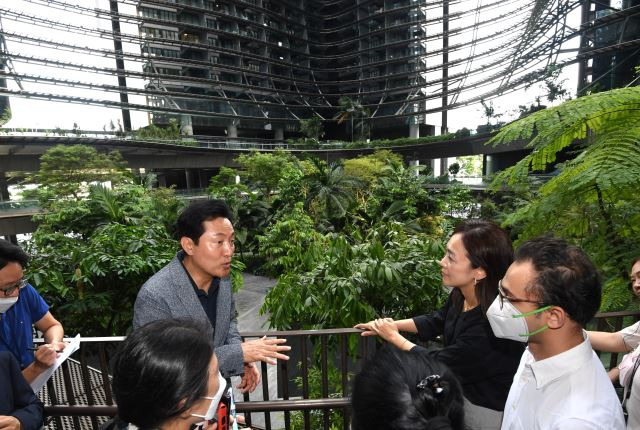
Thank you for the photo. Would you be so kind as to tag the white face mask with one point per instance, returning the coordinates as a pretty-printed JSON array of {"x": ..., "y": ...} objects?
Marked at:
[
  {"x": 213, "y": 406},
  {"x": 509, "y": 323},
  {"x": 6, "y": 303}
]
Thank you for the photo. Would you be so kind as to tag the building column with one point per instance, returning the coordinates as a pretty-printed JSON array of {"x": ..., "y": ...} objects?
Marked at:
[
  {"x": 232, "y": 130},
  {"x": 415, "y": 163},
  {"x": 432, "y": 167},
  {"x": 186, "y": 125},
  {"x": 202, "y": 182},
  {"x": 488, "y": 167},
  {"x": 162, "y": 179},
  {"x": 4, "y": 188},
  {"x": 278, "y": 133},
  {"x": 187, "y": 175},
  {"x": 414, "y": 130},
  {"x": 444, "y": 166}
]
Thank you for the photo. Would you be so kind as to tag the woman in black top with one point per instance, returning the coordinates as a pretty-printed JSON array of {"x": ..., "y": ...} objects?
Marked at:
[{"x": 477, "y": 256}]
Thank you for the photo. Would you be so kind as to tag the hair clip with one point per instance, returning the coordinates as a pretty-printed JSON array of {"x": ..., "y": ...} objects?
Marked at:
[{"x": 432, "y": 382}]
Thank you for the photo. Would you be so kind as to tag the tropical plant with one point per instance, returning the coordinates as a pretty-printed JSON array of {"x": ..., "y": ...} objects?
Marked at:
[
  {"x": 312, "y": 127},
  {"x": 90, "y": 257},
  {"x": 369, "y": 168},
  {"x": 591, "y": 199},
  {"x": 387, "y": 273},
  {"x": 262, "y": 171},
  {"x": 454, "y": 169},
  {"x": 68, "y": 171},
  {"x": 316, "y": 416},
  {"x": 352, "y": 110},
  {"x": 91, "y": 254},
  {"x": 401, "y": 195},
  {"x": 6, "y": 116},
  {"x": 154, "y": 132},
  {"x": 289, "y": 243},
  {"x": 329, "y": 191}
]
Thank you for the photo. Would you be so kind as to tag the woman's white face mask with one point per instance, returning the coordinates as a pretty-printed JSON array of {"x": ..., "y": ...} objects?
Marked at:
[
  {"x": 6, "y": 303},
  {"x": 215, "y": 400}
]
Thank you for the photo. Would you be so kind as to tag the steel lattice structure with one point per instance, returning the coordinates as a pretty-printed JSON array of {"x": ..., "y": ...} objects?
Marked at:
[{"x": 256, "y": 64}]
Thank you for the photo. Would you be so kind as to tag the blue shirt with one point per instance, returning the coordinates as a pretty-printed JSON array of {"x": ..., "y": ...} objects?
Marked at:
[{"x": 16, "y": 332}]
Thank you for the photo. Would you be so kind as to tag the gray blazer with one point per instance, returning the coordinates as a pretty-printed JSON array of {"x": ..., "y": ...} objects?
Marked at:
[{"x": 169, "y": 294}]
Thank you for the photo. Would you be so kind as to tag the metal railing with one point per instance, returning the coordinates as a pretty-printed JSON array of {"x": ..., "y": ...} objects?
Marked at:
[
  {"x": 612, "y": 322},
  {"x": 19, "y": 205},
  {"x": 79, "y": 394}
]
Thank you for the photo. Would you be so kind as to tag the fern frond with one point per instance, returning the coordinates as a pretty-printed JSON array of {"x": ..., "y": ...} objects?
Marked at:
[
  {"x": 552, "y": 130},
  {"x": 609, "y": 164}
]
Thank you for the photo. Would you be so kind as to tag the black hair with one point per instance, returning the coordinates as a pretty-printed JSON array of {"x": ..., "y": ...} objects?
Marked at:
[
  {"x": 10, "y": 253},
  {"x": 160, "y": 370},
  {"x": 189, "y": 223},
  {"x": 490, "y": 248},
  {"x": 386, "y": 393},
  {"x": 565, "y": 277}
]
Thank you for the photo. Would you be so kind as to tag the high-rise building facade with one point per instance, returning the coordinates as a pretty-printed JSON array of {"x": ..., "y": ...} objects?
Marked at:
[
  {"x": 261, "y": 65},
  {"x": 609, "y": 50}
]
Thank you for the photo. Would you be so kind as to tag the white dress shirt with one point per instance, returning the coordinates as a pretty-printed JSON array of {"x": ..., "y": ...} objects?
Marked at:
[
  {"x": 631, "y": 337},
  {"x": 568, "y": 391}
]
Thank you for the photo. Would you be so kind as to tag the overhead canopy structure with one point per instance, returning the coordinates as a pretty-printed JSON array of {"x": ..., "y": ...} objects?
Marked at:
[{"x": 266, "y": 64}]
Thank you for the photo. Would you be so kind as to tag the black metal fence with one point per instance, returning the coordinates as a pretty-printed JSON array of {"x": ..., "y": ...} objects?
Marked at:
[
  {"x": 310, "y": 386},
  {"x": 79, "y": 394}
]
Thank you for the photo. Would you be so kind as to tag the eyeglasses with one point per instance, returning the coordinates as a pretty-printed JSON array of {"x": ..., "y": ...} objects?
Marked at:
[
  {"x": 11, "y": 288},
  {"x": 504, "y": 296}
]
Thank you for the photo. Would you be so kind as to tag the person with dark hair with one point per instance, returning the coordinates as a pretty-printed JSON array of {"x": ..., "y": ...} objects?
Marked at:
[
  {"x": 406, "y": 390},
  {"x": 546, "y": 297},
  {"x": 477, "y": 256},
  {"x": 165, "y": 376},
  {"x": 21, "y": 309},
  {"x": 625, "y": 340},
  {"x": 196, "y": 285},
  {"x": 20, "y": 409}
]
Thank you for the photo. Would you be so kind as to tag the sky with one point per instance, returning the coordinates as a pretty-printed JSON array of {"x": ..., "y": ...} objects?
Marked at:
[{"x": 29, "y": 113}]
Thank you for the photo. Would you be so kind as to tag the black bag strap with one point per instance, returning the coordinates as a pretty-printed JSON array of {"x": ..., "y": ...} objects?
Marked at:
[{"x": 628, "y": 386}]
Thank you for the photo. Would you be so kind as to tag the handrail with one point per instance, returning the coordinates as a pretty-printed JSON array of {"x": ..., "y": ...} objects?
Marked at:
[
  {"x": 65, "y": 396},
  {"x": 287, "y": 401},
  {"x": 243, "y": 407}
]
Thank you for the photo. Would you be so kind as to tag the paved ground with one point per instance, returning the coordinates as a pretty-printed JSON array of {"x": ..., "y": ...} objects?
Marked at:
[{"x": 248, "y": 302}]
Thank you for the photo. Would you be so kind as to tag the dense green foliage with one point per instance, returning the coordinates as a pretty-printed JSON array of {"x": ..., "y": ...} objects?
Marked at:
[
  {"x": 312, "y": 128},
  {"x": 592, "y": 199},
  {"x": 95, "y": 246},
  {"x": 67, "y": 171},
  {"x": 90, "y": 256},
  {"x": 347, "y": 241}
]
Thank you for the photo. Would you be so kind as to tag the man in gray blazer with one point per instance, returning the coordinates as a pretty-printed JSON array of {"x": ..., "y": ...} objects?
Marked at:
[{"x": 196, "y": 285}]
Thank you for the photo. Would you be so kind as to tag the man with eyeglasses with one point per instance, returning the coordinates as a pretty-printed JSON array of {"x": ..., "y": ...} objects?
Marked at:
[
  {"x": 22, "y": 308},
  {"x": 196, "y": 285},
  {"x": 546, "y": 298}
]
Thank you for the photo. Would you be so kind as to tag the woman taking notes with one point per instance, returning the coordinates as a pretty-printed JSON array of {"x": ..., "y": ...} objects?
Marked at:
[{"x": 477, "y": 256}]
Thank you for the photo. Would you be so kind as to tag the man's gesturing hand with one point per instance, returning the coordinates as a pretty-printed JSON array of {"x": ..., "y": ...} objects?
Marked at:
[
  {"x": 250, "y": 378},
  {"x": 264, "y": 349}
]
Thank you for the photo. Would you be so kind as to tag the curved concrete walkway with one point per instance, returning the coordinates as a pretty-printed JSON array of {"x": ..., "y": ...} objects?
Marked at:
[{"x": 248, "y": 302}]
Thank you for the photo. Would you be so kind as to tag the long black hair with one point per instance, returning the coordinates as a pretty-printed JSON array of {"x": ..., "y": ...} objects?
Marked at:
[
  {"x": 490, "y": 248},
  {"x": 161, "y": 369},
  {"x": 406, "y": 390}
]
